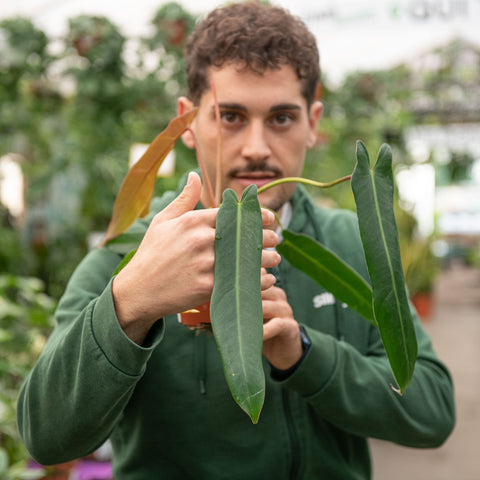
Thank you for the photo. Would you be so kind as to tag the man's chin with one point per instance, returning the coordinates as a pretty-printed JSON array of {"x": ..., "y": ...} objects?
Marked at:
[{"x": 272, "y": 202}]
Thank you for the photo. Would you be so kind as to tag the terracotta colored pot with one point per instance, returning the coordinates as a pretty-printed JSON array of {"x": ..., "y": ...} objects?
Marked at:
[
  {"x": 196, "y": 319},
  {"x": 423, "y": 302}
]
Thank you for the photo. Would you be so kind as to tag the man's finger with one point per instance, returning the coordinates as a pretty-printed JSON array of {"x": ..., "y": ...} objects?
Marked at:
[
  {"x": 270, "y": 239},
  {"x": 267, "y": 280},
  {"x": 270, "y": 258},
  {"x": 268, "y": 218},
  {"x": 186, "y": 201}
]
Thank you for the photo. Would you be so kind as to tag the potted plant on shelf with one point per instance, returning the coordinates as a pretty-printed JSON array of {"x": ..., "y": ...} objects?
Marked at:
[
  {"x": 421, "y": 268},
  {"x": 237, "y": 295}
]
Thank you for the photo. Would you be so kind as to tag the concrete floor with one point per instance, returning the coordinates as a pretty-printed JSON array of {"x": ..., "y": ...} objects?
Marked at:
[{"x": 455, "y": 330}]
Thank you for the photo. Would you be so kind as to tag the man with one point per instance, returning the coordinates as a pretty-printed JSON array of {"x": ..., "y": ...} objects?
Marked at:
[{"x": 120, "y": 366}]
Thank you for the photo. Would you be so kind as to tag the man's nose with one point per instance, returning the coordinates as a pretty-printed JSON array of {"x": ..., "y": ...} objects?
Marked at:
[{"x": 256, "y": 145}]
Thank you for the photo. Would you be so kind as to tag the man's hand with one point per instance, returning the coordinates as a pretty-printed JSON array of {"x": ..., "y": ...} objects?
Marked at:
[
  {"x": 282, "y": 345},
  {"x": 172, "y": 270}
]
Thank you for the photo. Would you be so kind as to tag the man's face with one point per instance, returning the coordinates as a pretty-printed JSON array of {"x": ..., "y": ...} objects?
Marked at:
[{"x": 266, "y": 128}]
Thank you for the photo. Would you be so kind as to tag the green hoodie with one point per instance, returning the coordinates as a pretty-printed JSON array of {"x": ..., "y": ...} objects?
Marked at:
[{"x": 166, "y": 406}]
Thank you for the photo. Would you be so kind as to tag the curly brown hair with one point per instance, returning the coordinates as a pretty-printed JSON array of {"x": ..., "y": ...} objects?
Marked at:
[{"x": 257, "y": 37}]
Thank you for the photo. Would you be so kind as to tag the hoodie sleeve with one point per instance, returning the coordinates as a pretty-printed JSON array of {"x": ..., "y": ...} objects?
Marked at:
[
  {"x": 354, "y": 391},
  {"x": 346, "y": 377},
  {"x": 77, "y": 391}
]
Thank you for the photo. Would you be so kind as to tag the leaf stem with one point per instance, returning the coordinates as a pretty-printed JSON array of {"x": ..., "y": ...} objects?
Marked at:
[
  {"x": 218, "y": 180},
  {"x": 278, "y": 219},
  {"x": 205, "y": 177},
  {"x": 305, "y": 181}
]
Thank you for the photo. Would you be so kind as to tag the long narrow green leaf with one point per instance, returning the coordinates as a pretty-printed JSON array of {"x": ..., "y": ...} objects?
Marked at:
[
  {"x": 328, "y": 270},
  {"x": 236, "y": 303},
  {"x": 373, "y": 192}
]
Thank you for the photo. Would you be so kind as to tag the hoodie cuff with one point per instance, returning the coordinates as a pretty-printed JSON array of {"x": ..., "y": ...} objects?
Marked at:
[
  {"x": 317, "y": 366},
  {"x": 120, "y": 351}
]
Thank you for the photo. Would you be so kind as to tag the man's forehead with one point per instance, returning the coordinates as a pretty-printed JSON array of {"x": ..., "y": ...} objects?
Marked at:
[
  {"x": 236, "y": 86},
  {"x": 242, "y": 69}
]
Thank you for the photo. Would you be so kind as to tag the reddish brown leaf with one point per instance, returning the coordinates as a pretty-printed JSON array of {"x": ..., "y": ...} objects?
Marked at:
[{"x": 136, "y": 190}]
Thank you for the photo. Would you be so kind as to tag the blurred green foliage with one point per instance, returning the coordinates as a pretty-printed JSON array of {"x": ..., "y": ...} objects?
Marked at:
[
  {"x": 73, "y": 117},
  {"x": 26, "y": 318},
  {"x": 370, "y": 106}
]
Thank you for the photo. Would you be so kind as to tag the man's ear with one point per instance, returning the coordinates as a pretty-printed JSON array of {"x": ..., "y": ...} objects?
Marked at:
[
  {"x": 313, "y": 119},
  {"x": 184, "y": 105}
]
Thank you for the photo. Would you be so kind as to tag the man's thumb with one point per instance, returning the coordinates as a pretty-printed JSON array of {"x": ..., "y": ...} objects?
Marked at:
[{"x": 186, "y": 201}]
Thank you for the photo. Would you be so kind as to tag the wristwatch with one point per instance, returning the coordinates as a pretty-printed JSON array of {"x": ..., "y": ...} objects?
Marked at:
[{"x": 305, "y": 341}]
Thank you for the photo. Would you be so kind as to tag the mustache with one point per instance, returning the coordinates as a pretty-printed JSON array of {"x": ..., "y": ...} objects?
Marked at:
[{"x": 254, "y": 168}]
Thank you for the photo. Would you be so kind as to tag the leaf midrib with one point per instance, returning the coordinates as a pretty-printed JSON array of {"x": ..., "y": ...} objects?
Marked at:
[
  {"x": 237, "y": 289},
  {"x": 392, "y": 276}
]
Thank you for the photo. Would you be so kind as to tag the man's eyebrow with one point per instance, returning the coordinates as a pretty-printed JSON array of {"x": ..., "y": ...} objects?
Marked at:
[
  {"x": 285, "y": 106},
  {"x": 274, "y": 108},
  {"x": 232, "y": 106}
]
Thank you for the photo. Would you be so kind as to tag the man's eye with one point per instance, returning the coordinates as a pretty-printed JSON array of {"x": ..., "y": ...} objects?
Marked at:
[
  {"x": 282, "y": 119},
  {"x": 230, "y": 117}
]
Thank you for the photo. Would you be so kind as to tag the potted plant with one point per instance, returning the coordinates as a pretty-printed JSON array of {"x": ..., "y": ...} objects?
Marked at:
[
  {"x": 421, "y": 268},
  {"x": 237, "y": 295}
]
